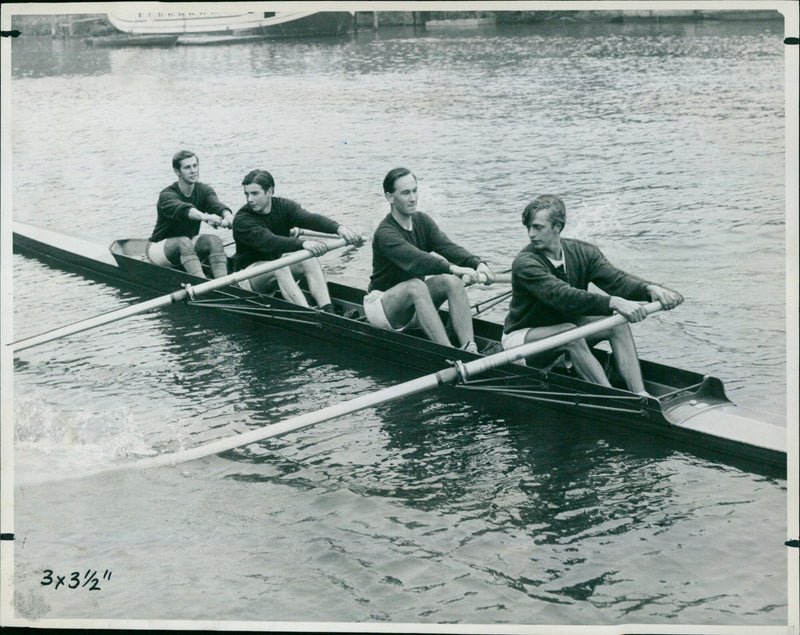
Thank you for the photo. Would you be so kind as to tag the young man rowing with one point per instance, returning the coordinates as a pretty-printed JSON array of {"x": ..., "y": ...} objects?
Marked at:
[
  {"x": 262, "y": 229},
  {"x": 399, "y": 295},
  {"x": 181, "y": 207},
  {"x": 549, "y": 282}
]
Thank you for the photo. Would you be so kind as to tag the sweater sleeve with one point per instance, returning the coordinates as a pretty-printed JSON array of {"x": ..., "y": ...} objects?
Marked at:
[
  {"x": 208, "y": 201},
  {"x": 249, "y": 233},
  {"x": 530, "y": 275},
  {"x": 442, "y": 245},
  {"x": 301, "y": 217},
  {"x": 171, "y": 206},
  {"x": 615, "y": 281},
  {"x": 401, "y": 253}
]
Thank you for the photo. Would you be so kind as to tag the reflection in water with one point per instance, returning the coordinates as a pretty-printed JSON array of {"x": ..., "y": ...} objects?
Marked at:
[
  {"x": 497, "y": 48},
  {"x": 53, "y": 57}
]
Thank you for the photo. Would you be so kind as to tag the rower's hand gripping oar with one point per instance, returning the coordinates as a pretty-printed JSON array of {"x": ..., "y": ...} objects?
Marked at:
[
  {"x": 499, "y": 278},
  {"x": 461, "y": 370},
  {"x": 298, "y": 232},
  {"x": 189, "y": 291}
]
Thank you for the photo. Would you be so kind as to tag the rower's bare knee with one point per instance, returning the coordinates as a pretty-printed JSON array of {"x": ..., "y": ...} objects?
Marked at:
[
  {"x": 311, "y": 266},
  {"x": 283, "y": 275},
  {"x": 453, "y": 283},
  {"x": 176, "y": 248},
  {"x": 577, "y": 347},
  {"x": 210, "y": 243},
  {"x": 621, "y": 332},
  {"x": 417, "y": 290},
  {"x": 183, "y": 245}
]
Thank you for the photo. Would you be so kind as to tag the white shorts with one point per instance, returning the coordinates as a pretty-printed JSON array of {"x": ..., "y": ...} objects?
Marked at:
[
  {"x": 513, "y": 339},
  {"x": 517, "y": 338},
  {"x": 155, "y": 252},
  {"x": 373, "y": 310},
  {"x": 245, "y": 284}
]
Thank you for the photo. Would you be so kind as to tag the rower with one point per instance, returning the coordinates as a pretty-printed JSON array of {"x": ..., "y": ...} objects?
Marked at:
[
  {"x": 403, "y": 247},
  {"x": 262, "y": 232},
  {"x": 549, "y": 282},
  {"x": 181, "y": 207}
]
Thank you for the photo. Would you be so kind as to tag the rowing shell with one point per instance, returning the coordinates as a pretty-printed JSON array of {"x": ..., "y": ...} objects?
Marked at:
[{"x": 687, "y": 406}]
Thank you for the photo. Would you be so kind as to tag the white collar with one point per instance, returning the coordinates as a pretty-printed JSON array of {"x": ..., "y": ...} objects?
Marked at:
[{"x": 558, "y": 263}]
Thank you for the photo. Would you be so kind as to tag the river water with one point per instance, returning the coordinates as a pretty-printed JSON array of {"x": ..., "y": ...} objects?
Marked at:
[{"x": 666, "y": 142}]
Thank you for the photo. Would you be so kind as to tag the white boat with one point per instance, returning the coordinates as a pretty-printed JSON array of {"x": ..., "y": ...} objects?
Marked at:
[{"x": 129, "y": 19}]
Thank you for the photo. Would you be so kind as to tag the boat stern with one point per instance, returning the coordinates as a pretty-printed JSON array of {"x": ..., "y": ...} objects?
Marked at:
[{"x": 756, "y": 435}]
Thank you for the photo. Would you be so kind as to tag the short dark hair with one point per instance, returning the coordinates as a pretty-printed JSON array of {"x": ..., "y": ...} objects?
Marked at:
[
  {"x": 554, "y": 205},
  {"x": 392, "y": 176},
  {"x": 261, "y": 178},
  {"x": 180, "y": 156}
]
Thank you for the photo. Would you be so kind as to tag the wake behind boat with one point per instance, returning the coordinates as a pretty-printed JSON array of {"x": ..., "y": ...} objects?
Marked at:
[{"x": 685, "y": 405}]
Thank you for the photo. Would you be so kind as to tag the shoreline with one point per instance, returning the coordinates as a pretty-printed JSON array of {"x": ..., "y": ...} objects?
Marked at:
[{"x": 96, "y": 24}]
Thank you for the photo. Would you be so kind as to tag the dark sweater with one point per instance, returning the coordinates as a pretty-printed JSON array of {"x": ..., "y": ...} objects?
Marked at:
[
  {"x": 173, "y": 209},
  {"x": 266, "y": 236},
  {"x": 543, "y": 297},
  {"x": 399, "y": 255}
]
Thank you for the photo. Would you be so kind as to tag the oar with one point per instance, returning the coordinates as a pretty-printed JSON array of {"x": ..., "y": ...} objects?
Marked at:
[
  {"x": 310, "y": 233},
  {"x": 299, "y": 231},
  {"x": 499, "y": 278},
  {"x": 450, "y": 375},
  {"x": 190, "y": 291}
]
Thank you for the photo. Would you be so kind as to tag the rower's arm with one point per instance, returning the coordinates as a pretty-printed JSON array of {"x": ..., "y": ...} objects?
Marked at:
[
  {"x": 407, "y": 257},
  {"x": 440, "y": 243},
  {"x": 668, "y": 298},
  {"x": 351, "y": 237},
  {"x": 299, "y": 216},
  {"x": 609, "y": 278},
  {"x": 249, "y": 233},
  {"x": 630, "y": 310},
  {"x": 211, "y": 219},
  {"x": 208, "y": 202}
]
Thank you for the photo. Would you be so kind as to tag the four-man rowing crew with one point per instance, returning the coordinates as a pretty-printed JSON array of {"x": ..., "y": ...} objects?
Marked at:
[{"x": 415, "y": 266}]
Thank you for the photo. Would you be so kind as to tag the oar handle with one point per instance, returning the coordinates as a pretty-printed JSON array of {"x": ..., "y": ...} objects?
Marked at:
[
  {"x": 499, "y": 278},
  {"x": 296, "y": 232}
]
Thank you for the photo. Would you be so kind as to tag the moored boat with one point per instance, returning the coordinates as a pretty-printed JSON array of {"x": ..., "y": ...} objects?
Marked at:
[
  {"x": 200, "y": 26},
  {"x": 685, "y": 405}
]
